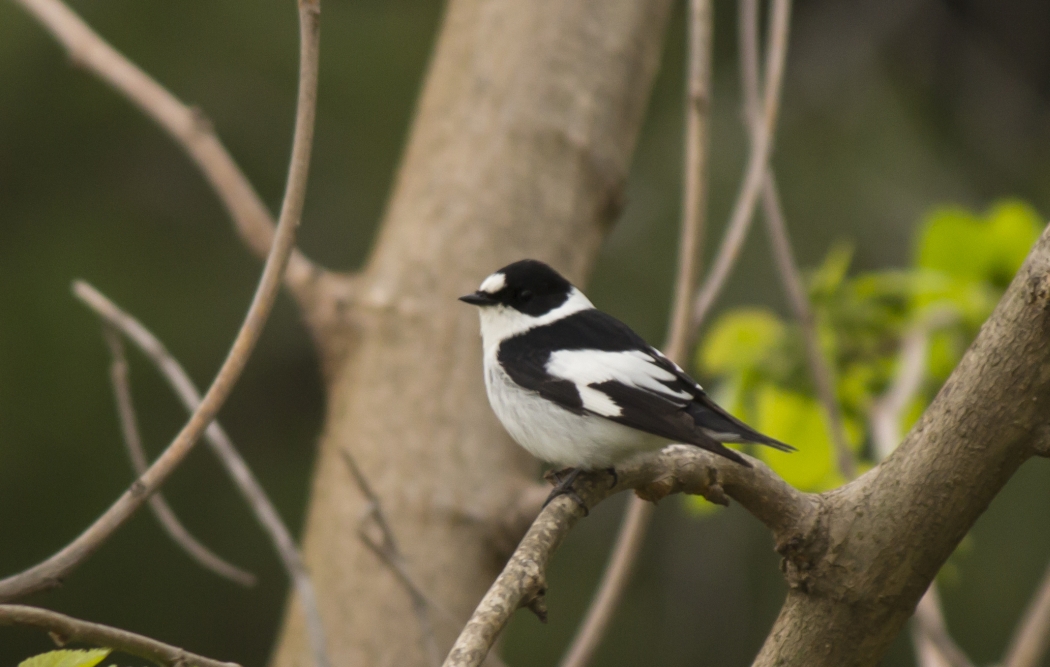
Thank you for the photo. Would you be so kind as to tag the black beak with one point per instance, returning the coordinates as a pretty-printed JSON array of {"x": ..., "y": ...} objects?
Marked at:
[{"x": 478, "y": 299}]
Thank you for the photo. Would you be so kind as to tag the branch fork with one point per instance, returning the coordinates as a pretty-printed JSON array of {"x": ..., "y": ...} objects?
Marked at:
[{"x": 675, "y": 469}]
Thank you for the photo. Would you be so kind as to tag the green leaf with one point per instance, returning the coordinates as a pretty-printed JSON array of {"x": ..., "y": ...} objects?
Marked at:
[
  {"x": 829, "y": 276},
  {"x": 990, "y": 249},
  {"x": 944, "y": 353},
  {"x": 972, "y": 300},
  {"x": 67, "y": 658},
  {"x": 962, "y": 263},
  {"x": 1013, "y": 228},
  {"x": 855, "y": 384},
  {"x": 740, "y": 340},
  {"x": 950, "y": 242}
]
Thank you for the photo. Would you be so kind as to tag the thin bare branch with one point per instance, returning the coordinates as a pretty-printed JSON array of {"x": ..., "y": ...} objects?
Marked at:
[
  {"x": 118, "y": 374},
  {"x": 886, "y": 411},
  {"x": 934, "y": 647},
  {"x": 694, "y": 187},
  {"x": 614, "y": 581},
  {"x": 52, "y": 571},
  {"x": 681, "y": 331},
  {"x": 386, "y": 549},
  {"x": 819, "y": 368},
  {"x": 788, "y": 513},
  {"x": 790, "y": 276},
  {"x": 187, "y": 125},
  {"x": 748, "y": 52},
  {"x": 758, "y": 159},
  {"x": 223, "y": 448},
  {"x": 64, "y": 629},
  {"x": 1032, "y": 635}
]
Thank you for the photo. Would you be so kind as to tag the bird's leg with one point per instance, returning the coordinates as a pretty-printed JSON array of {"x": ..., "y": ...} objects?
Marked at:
[{"x": 563, "y": 487}]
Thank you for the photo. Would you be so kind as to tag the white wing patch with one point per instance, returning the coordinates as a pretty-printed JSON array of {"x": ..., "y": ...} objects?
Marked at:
[{"x": 632, "y": 368}]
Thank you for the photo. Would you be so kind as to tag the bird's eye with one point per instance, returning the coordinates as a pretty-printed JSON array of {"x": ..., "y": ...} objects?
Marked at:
[{"x": 525, "y": 295}]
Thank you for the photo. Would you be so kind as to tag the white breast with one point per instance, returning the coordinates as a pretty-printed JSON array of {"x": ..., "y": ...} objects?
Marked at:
[{"x": 554, "y": 434}]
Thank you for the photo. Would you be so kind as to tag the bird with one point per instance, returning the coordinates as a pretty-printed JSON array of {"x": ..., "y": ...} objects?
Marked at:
[{"x": 578, "y": 388}]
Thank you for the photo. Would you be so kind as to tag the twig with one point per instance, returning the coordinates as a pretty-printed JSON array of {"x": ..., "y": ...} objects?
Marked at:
[
  {"x": 50, "y": 572},
  {"x": 786, "y": 511},
  {"x": 118, "y": 374},
  {"x": 694, "y": 197},
  {"x": 222, "y": 446},
  {"x": 934, "y": 646},
  {"x": 761, "y": 148},
  {"x": 1032, "y": 635},
  {"x": 823, "y": 377},
  {"x": 886, "y": 411},
  {"x": 386, "y": 550},
  {"x": 614, "y": 581},
  {"x": 790, "y": 276},
  {"x": 187, "y": 125},
  {"x": 64, "y": 629},
  {"x": 639, "y": 513}
]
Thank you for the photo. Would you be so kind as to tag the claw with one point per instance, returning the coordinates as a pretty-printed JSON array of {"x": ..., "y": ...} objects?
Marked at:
[{"x": 563, "y": 487}]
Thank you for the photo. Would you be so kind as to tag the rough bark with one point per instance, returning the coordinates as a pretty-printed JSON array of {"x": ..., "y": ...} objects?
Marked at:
[
  {"x": 856, "y": 578},
  {"x": 521, "y": 147}
]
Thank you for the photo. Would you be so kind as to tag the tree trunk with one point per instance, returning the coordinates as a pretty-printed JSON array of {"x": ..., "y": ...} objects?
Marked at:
[{"x": 520, "y": 148}]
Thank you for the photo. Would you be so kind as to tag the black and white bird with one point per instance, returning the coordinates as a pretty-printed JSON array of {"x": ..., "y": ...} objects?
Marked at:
[{"x": 578, "y": 388}]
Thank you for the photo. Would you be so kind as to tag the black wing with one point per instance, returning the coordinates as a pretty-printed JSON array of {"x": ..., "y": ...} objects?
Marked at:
[{"x": 568, "y": 361}]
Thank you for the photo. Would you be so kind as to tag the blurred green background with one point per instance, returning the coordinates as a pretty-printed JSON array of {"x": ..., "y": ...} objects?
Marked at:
[{"x": 890, "y": 109}]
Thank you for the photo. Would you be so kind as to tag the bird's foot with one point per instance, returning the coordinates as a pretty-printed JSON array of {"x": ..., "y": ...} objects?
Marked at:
[
  {"x": 563, "y": 487},
  {"x": 615, "y": 478}
]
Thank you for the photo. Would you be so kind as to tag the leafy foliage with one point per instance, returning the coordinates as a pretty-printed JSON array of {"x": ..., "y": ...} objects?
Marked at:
[
  {"x": 962, "y": 262},
  {"x": 67, "y": 658}
]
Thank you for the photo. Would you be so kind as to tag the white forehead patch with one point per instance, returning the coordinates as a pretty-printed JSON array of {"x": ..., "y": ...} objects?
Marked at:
[{"x": 493, "y": 283}]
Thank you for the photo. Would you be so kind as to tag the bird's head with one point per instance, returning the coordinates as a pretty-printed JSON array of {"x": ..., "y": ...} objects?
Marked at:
[{"x": 523, "y": 295}]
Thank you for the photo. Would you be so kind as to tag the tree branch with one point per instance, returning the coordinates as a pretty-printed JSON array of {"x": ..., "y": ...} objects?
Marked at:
[
  {"x": 386, "y": 550},
  {"x": 694, "y": 187},
  {"x": 819, "y": 367},
  {"x": 934, "y": 646},
  {"x": 223, "y": 448},
  {"x": 681, "y": 331},
  {"x": 790, "y": 276},
  {"x": 50, "y": 573},
  {"x": 1032, "y": 635},
  {"x": 614, "y": 581},
  {"x": 169, "y": 521},
  {"x": 855, "y": 584},
  {"x": 64, "y": 629},
  {"x": 788, "y": 513},
  {"x": 758, "y": 160},
  {"x": 187, "y": 125},
  {"x": 887, "y": 410}
]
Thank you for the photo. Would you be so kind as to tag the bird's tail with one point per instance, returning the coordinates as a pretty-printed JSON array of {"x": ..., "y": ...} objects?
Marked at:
[{"x": 721, "y": 426}]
